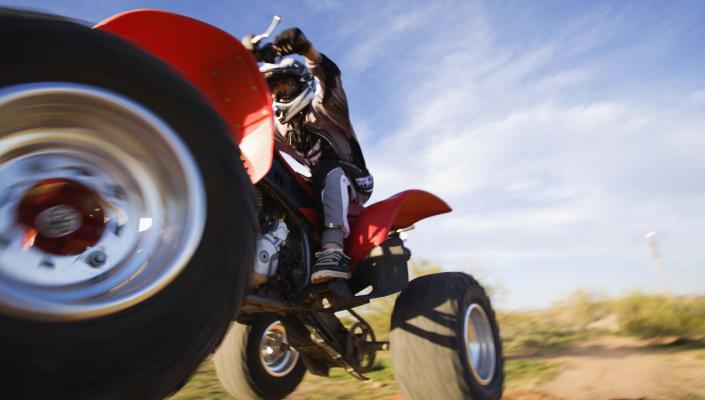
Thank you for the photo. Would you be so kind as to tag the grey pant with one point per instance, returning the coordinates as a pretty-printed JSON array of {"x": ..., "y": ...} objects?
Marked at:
[{"x": 336, "y": 195}]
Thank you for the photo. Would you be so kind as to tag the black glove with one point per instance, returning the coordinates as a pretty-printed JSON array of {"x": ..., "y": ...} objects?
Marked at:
[{"x": 291, "y": 41}]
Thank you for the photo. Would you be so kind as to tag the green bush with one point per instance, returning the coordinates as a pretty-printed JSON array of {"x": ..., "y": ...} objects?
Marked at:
[
  {"x": 653, "y": 315},
  {"x": 579, "y": 316},
  {"x": 537, "y": 330},
  {"x": 536, "y": 370}
]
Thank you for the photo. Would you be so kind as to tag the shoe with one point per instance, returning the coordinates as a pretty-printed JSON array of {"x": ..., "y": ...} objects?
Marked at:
[{"x": 330, "y": 264}]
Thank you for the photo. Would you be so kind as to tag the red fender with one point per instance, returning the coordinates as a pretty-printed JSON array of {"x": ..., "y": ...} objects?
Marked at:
[
  {"x": 402, "y": 210},
  {"x": 218, "y": 65}
]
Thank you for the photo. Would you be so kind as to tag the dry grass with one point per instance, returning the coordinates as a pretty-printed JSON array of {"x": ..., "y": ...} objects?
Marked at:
[
  {"x": 563, "y": 326},
  {"x": 340, "y": 385}
]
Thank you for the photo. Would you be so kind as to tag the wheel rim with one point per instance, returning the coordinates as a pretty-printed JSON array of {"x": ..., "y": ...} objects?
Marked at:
[
  {"x": 101, "y": 204},
  {"x": 277, "y": 358},
  {"x": 479, "y": 344}
]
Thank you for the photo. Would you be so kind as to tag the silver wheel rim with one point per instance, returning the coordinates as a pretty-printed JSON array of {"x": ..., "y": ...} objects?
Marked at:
[
  {"x": 479, "y": 344},
  {"x": 277, "y": 358},
  {"x": 147, "y": 184}
]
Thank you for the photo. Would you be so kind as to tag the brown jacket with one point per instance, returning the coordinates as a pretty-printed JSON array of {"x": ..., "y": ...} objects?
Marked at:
[{"x": 327, "y": 116}]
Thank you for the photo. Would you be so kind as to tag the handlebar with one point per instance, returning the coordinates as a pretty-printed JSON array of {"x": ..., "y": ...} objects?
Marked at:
[
  {"x": 275, "y": 21},
  {"x": 266, "y": 53}
]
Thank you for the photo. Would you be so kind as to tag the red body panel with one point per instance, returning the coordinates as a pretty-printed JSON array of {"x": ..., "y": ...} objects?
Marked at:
[
  {"x": 218, "y": 65},
  {"x": 399, "y": 211},
  {"x": 228, "y": 77}
]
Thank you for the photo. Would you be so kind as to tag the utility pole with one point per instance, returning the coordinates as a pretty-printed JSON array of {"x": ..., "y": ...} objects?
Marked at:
[{"x": 658, "y": 258}]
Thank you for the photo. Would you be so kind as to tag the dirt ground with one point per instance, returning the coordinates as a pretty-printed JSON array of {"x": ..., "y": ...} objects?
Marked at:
[
  {"x": 606, "y": 368},
  {"x": 621, "y": 368}
]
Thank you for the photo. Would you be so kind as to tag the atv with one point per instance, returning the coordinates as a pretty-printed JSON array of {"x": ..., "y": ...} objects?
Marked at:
[{"x": 146, "y": 218}]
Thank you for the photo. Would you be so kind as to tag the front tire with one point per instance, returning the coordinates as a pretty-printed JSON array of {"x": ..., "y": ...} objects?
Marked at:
[
  {"x": 254, "y": 361},
  {"x": 445, "y": 340},
  {"x": 91, "y": 315}
]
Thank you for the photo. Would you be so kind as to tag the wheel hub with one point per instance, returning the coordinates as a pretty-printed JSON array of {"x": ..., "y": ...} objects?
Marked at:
[
  {"x": 61, "y": 217},
  {"x": 101, "y": 203},
  {"x": 58, "y": 221},
  {"x": 277, "y": 357}
]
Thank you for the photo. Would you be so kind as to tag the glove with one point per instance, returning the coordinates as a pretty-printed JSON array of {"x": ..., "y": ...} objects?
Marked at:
[{"x": 292, "y": 41}]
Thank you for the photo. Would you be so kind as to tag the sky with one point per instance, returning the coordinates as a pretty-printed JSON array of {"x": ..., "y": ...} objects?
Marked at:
[{"x": 559, "y": 132}]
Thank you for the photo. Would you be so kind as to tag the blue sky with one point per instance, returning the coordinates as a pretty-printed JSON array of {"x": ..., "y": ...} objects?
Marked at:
[{"x": 560, "y": 132}]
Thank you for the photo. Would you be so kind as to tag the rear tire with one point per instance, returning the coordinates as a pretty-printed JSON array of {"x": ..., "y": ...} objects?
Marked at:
[
  {"x": 445, "y": 340},
  {"x": 149, "y": 349},
  {"x": 245, "y": 373}
]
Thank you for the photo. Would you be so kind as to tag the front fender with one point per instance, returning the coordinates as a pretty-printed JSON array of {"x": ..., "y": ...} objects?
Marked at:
[
  {"x": 218, "y": 65},
  {"x": 402, "y": 210}
]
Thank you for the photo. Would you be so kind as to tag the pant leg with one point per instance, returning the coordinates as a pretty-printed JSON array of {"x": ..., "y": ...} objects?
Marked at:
[{"x": 334, "y": 187}]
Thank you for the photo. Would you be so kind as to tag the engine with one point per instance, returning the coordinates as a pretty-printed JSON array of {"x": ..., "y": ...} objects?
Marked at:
[
  {"x": 267, "y": 253},
  {"x": 279, "y": 268}
]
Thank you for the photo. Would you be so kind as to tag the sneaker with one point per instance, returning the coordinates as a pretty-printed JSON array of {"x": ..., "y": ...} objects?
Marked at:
[{"x": 330, "y": 264}]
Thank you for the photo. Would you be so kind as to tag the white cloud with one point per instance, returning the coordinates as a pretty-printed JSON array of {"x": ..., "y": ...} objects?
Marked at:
[
  {"x": 538, "y": 180},
  {"x": 554, "y": 166},
  {"x": 698, "y": 97}
]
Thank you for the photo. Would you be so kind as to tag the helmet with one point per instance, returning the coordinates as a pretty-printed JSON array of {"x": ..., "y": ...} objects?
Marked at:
[{"x": 291, "y": 85}]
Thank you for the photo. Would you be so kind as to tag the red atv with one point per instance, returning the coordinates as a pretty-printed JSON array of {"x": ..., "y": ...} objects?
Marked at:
[{"x": 143, "y": 208}]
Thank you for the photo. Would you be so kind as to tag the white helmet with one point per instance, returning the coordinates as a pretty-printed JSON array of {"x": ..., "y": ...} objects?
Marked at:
[{"x": 291, "y": 85}]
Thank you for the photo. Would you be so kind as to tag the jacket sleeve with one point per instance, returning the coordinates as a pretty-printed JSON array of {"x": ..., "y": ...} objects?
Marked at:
[{"x": 330, "y": 97}]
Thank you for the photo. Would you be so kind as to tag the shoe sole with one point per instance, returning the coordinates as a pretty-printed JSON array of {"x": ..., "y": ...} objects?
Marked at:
[{"x": 325, "y": 276}]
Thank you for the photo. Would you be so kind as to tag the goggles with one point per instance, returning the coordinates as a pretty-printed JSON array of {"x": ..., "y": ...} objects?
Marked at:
[{"x": 284, "y": 90}]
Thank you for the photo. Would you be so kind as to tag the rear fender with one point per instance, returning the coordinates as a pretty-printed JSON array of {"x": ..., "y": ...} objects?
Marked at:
[
  {"x": 402, "y": 210},
  {"x": 218, "y": 65}
]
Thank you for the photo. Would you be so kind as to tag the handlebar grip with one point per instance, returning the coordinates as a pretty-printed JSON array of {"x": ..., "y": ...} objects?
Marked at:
[{"x": 248, "y": 44}]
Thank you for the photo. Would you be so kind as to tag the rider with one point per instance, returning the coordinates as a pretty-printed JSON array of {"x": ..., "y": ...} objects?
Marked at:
[{"x": 313, "y": 126}]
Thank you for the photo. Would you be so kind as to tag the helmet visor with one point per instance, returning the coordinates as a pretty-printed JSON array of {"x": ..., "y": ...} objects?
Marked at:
[{"x": 284, "y": 90}]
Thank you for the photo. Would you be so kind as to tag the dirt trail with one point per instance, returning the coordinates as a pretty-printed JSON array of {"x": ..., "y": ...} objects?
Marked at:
[
  {"x": 617, "y": 368},
  {"x": 623, "y": 368}
]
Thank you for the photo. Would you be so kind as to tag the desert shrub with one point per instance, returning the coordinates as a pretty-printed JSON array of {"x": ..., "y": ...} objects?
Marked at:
[
  {"x": 656, "y": 315},
  {"x": 582, "y": 308},
  {"x": 579, "y": 316},
  {"x": 523, "y": 331},
  {"x": 528, "y": 369}
]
